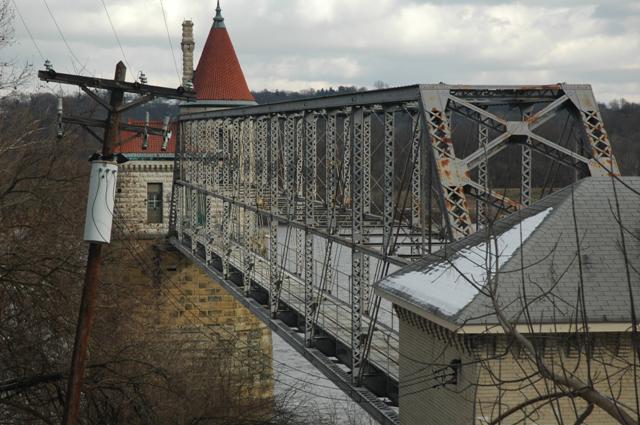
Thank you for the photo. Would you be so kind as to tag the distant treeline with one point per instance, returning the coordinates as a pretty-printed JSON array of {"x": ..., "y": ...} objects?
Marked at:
[{"x": 269, "y": 96}]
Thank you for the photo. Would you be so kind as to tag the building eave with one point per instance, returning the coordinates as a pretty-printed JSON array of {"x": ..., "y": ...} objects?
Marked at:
[{"x": 496, "y": 329}]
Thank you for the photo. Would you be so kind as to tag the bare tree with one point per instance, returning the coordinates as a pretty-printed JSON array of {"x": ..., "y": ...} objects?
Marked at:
[
  {"x": 12, "y": 75},
  {"x": 559, "y": 364}
]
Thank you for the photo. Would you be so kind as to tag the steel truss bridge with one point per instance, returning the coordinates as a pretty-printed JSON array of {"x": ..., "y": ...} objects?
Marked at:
[{"x": 298, "y": 207}]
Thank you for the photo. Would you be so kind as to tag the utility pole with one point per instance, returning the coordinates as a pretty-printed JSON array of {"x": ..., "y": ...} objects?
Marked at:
[{"x": 109, "y": 140}]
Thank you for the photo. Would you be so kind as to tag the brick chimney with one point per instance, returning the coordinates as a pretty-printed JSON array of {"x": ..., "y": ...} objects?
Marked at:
[{"x": 188, "y": 45}]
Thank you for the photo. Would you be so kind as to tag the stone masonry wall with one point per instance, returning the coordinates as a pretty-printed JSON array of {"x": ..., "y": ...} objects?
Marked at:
[
  {"x": 217, "y": 353},
  {"x": 157, "y": 304},
  {"x": 131, "y": 198}
]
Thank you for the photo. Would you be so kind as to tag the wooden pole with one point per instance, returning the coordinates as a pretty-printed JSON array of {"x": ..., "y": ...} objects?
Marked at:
[{"x": 89, "y": 293}]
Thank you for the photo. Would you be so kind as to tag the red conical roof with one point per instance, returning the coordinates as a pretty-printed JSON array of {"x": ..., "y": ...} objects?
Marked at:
[{"x": 219, "y": 75}]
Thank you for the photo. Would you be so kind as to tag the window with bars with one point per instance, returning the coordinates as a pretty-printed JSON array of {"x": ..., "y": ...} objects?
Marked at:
[{"x": 154, "y": 202}]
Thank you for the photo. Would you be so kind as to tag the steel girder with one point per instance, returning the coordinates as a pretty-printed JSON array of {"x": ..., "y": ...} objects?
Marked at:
[
  {"x": 259, "y": 165},
  {"x": 275, "y": 278},
  {"x": 357, "y": 257},
  {"x": 309, "y": 122}
]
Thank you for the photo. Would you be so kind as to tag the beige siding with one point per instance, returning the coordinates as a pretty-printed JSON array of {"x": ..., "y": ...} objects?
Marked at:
[
  {"x": 612, "y": 357},
  {"x": 499, "y": 376},
  {"x": 422, "y": 399}
]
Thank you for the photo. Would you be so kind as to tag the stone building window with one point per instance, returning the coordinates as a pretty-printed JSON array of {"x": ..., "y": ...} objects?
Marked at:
[{"x": 154, "y": 202}]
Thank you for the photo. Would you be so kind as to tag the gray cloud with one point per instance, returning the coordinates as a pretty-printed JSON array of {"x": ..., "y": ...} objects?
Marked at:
[{"x": 294, "y": 44}]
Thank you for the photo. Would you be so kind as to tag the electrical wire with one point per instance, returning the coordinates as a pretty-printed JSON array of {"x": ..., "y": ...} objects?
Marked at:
[
  {"x": 173, "y": 55},
  {"x": 73, "y": 55},
  {"x": 115, "y": 34},
  {"x": 26, "y": 27}
]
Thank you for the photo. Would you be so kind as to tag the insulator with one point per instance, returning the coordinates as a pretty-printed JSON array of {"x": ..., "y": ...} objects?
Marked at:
[
  {"x": 60, "y": 126},
  {"x": 145, "y": 134},
  {"x": 166, "y": 134}
]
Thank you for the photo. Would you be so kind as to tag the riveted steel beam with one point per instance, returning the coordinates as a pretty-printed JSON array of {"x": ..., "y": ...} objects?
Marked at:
[
  {"x": 452, "y": 173},
  {"x": 483, "y": 176},
  {"x": 310, "y": 181},
  {"x": 357, "y": 214},
  {"x": 602, "y": 162},
  {"x": 275, "y": 277}
]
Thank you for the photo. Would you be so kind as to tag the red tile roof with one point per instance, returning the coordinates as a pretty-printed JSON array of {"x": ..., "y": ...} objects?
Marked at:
[
  {"x": 219, "y": 75},
  {"x": 130, "y": 142}
]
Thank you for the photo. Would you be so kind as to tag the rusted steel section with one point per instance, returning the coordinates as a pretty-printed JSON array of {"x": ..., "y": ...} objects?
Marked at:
[
  {"x": 452, "y": 173},
  {"x": 603, "y": 162}
]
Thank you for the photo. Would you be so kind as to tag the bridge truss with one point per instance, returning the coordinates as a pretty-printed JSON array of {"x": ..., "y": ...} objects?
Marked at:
[{"x": 298, "y": 207}]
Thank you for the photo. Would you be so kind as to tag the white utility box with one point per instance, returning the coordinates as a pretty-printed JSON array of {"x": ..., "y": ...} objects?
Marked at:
[{"x": 102, "y": 193}]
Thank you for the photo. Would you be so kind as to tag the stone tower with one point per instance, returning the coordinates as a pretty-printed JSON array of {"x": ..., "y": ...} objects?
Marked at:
[
  {"x": 218, "y": 81},
  {"x": 188, "y": 44},
  {"x": 206, "y": 333}
]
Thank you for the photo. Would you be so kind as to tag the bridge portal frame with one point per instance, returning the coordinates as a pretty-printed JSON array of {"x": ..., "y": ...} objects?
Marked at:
[{"x": 261, "y": 163}]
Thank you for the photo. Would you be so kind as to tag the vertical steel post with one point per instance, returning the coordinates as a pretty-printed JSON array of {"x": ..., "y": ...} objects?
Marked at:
[
  {"x": 483, "y": 176},
  {"x": 300, "y": 195},
  {"x": 210, "y": 185},
  {"x": 178, "y": 190},
  {"x": 193, "y": 193},
  {"x": 310, "y": 168},
  {"x": 226, "y": 189},
  {"x": 248, "y": 177},
  {"x": 389, "y": 137},
  {"x": 346, "y": 165},
  {"x": 275, "y": 284},
  {"x": 525, "y": 166},
  {"x": 290, "y": 175},
  {"x": 357, "y": 256},
  {"x": 331, "y": 187},
  {"x": 366, "y": 206},
  {"x": 416, "y": 186}
]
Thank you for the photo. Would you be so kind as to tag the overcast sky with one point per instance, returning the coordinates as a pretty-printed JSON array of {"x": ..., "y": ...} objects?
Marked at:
[{"x": 297, "y": 44}]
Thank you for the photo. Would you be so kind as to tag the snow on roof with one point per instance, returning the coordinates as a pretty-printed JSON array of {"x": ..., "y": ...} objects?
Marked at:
[{"x": 453, "y": 283}]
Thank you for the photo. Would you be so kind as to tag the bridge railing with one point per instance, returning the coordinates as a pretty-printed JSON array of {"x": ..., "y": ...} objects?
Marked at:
[{"x": 312, "y": 201}]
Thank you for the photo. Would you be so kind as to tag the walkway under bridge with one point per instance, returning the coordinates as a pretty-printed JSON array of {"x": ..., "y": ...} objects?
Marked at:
[{"x": 298, "y": 207}]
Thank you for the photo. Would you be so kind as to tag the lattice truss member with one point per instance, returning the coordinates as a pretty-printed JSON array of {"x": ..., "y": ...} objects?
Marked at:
[{"x": 301, "y": 206}]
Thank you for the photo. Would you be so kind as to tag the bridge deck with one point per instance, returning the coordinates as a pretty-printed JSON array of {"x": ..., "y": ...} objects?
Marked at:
[{"x": 335, "y": 316}]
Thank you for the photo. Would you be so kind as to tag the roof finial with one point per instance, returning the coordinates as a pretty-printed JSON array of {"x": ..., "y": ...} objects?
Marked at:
[{"x": 218, "y": 21}]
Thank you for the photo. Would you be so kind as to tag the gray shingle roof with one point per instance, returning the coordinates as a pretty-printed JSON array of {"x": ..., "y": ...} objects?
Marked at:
[{"x": 549, "y": 252}]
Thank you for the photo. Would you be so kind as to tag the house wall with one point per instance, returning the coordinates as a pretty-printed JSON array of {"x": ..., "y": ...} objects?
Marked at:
[
  {"x": 131, "y": 198},
  {"x": 499, "y": 376},
  {"x": 612, "y": 357},
  {"x": 424, "y": 360}
]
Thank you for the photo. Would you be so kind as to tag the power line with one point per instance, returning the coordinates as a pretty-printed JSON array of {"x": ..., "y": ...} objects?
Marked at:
[
  {"x": 117, "y": 38},
  {"x": 33, "y": 40},
  {"x": 73, "y": 55},
  {"x": 173, "y": 55},
  {"x": 26, "y": 27}
]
